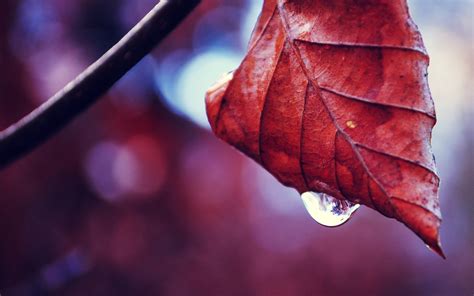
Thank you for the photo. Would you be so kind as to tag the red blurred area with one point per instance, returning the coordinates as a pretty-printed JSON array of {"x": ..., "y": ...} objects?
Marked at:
[{"x": 132, "y": 199}]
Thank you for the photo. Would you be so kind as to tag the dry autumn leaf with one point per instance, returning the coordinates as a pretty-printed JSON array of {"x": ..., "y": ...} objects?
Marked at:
[{"x": 333, "y": 97}]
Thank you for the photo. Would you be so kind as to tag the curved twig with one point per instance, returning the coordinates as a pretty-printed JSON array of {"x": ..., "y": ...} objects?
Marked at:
[{"x": 38, "y": 126}]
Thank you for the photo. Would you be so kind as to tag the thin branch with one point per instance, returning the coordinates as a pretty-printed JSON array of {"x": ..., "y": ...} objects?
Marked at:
[{"x": 38, "y": 126}]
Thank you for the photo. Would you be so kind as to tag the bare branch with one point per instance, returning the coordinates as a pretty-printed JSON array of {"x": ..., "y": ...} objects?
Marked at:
[{"x": 38, "y": 126}]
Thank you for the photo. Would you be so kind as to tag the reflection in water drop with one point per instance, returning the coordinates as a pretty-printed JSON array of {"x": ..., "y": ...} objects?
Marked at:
[{"x": 327, "y": 210}]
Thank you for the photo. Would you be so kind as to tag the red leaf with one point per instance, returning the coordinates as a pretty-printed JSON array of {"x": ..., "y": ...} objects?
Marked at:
[{"x": 332, "y": 97}]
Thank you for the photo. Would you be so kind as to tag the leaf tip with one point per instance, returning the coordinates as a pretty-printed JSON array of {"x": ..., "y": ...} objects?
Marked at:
[
  {"x": 421, "y": 221},
  {"x": 437, "y": 248}
]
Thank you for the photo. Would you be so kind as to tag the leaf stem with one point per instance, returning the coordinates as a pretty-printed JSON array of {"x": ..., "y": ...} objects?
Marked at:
[{"x": 79, "y": 94}]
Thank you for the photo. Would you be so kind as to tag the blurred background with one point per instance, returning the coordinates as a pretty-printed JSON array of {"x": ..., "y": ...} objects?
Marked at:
[{"x": 137, "y": 197}]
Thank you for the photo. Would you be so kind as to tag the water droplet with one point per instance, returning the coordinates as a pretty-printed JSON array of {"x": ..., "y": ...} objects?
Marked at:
[{"x": 327, "y": 210}]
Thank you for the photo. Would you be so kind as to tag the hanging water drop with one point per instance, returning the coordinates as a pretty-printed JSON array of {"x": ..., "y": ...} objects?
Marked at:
[{"x": 327, "y": 210}]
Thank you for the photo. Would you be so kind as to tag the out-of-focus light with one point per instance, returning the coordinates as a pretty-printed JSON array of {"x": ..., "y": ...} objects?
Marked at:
[
  {"x": 198, "y": 75},
  {"x": 220, "y": 28},
  {"x": 140, "y": 167},
  {"x": 37, "y": 39},
  {"x": 131, "y": 92},
  {"x": 99, "y": 165},
  {"x": 185, "y": 93},
  {"x": 166, "y": 71},
  {"x": 37, "y": 23},
  {"x": 184, "y": 76},
  {"x": 134, "y": 169},
  {"x": 62, "y": 64},
  {"x": 251, "y": 16}
]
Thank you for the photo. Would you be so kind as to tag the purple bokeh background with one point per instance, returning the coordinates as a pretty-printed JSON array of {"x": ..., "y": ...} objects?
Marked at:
[{"x": 137, "y": 197}]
